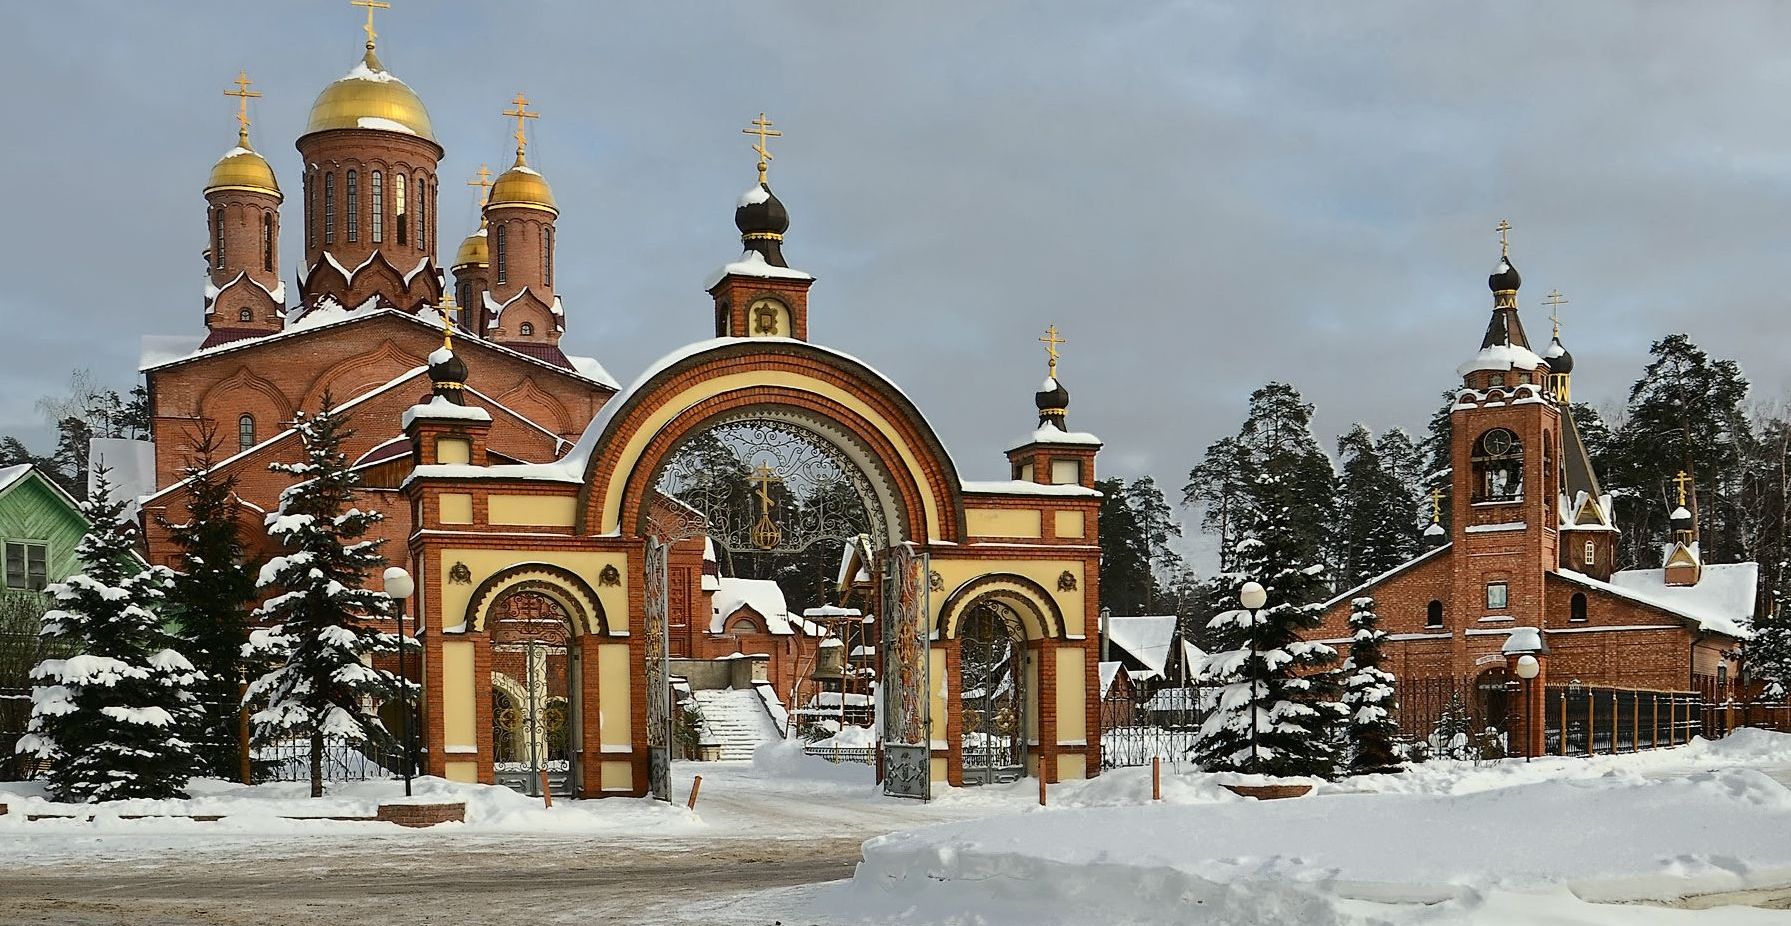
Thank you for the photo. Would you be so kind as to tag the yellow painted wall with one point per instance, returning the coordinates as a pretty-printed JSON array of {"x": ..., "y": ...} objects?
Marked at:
[
  {"x": 453, "y": 450},
  {"x": 1066, "y": 472},
  {"x": 462, "y": 771},
  {"x": 1071, "y": 767},
  {"x": 937, "y": 767},
  {"x": 942, "y": 689},
  {"x": 454, "y": 508},
  {"x": 617, "y": 776},
  {"x": 631, "y": 453},
  {"x": 484, "y": 563},
  {"x": 459, "y": 715},
  {"x": 1045, "y": 572},
  {"x": 615, "y": 691},
  {"x": 1003, "y": 522},
  {"x": 532, "y": 510},
  {"x": 1071, "y": 524},
  {"x": 1072, "y": 721}
]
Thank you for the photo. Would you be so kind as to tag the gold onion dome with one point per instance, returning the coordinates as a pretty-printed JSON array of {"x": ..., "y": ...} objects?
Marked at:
[
  {"x": 474, "y": 250},
  {"x": 242, "y": 168},
  {"x": 369, "y": 97},
  {"x": 522, "y": 185}
]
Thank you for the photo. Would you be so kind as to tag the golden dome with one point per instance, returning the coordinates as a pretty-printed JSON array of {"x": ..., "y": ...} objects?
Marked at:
[
  {"x": 474, "y": 250},
  {"x": 522, "y": 185},
  {"x": 369, "y": 97},
  {"x": 241, "y": 168}
]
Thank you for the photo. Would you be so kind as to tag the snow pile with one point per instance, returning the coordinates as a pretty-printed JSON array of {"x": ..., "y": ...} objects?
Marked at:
[
  {"x": 1294, "y": 861},
  {"x": 440, "y": 408}
]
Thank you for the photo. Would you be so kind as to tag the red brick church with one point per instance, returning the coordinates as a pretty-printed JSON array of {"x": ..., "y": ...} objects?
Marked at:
[{"x": 1532, "y": 544}]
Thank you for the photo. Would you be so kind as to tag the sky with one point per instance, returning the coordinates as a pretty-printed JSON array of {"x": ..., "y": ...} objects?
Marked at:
[{"x": 1201, "y": 196}]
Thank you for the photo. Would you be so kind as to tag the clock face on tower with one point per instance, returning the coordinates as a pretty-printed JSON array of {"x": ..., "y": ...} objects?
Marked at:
[{"x": 768, "y": 318}]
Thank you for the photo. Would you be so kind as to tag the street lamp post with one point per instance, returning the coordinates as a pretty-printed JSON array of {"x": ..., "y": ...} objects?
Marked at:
[
  {"x": 1253, "y": 596},
  {"x": 1527, "y": 669},
  {"x": 1520, "y": 650},
  {"x": 399, "y": 586}
]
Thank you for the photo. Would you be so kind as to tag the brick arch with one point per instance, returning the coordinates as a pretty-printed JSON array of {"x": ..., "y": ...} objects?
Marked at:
[
  {"x": 1037, "y": 609},
  {"x": 523, "y": 307},
  {"x": 246, "y": 379},
  {"x": 642, "y": 427},
  {"x": 359, "y": 374},
  {"x": 528, "y": 399},
  {"x": 572, "y": 593}
]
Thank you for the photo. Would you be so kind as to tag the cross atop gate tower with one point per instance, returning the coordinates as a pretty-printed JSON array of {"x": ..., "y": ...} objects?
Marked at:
[{"x": 759, "y": 295}]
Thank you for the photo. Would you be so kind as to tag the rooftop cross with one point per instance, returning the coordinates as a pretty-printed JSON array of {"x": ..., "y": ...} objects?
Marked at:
[
  {"x": 1052, "y": 341},
  {"x": 521, "y": 113},
  {"x": 483, "y": 183},
  {"x": 1436, "y": 504},
  {"x": 243, "y": 95},
  {"x": 1504, "y": 245},
  {"x": 1682, "y": 480},
  {"x": 447, "y": 309},
  {"x": 1554, "y": 300},
  {"x": 370, "y": 6},
  {"x": 762, "y": 128}
]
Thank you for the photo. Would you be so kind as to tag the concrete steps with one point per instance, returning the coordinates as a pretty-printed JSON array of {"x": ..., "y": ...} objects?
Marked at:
[{"x": 735, "y": 721}]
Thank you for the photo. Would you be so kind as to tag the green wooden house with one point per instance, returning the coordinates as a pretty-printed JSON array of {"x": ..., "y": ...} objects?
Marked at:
[{"x": 40, "y": 525}]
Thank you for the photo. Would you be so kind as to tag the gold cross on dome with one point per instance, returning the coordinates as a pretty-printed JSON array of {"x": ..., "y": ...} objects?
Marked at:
[
  {"x": 521, "y": 113},
  {"x": 243, "y": 95},
  {"x": 1554, "y": 300},
  {"x": 1052, "y": 341},
  {"x": 1504, "y": 245},
  {"x": 447, "y": 309},
  {"x": 762, "y": 128},
  {"x": 370, "y": 6},
  {"x": 1682, "y": 480},
  {"x": 483, "y": 183},
  {"x": 1436, "y": 504}
]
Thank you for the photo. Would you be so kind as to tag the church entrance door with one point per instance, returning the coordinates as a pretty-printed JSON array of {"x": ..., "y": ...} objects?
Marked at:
[
  {"x": 1492, "y": 698},
  {"x": 534, "y": 694},
  {"x": 992, "y": 664}
]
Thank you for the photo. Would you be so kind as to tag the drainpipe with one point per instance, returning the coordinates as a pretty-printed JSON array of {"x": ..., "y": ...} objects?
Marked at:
[{"x": 1106, "y": 615}]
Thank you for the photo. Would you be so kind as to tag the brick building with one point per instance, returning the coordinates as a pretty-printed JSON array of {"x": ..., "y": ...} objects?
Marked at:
[{"x": 1531, "y": 543}]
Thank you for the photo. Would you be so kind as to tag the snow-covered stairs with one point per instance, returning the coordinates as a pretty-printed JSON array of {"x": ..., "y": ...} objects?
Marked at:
[{"x": 735, "y": 720}]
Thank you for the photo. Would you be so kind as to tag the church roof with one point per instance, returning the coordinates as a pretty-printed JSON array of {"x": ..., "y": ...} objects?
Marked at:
[
  {"x": 369, "y": 97},
  {"x": 1722, "y": 601}
]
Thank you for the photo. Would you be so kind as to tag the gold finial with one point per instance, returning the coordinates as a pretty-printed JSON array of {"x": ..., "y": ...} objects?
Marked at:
[
  {"x": 1554, "y": 300},
  {"x": 765, "y": 532},
  {"x": 762, "y": 128},
  {"x": 521, "y": 113},
  {"x": 1436, "y": 504},
  {"x": 243, "y": 95},
  {"x": 1051, "y": 341},
  {"x": 370, "y": 6},
  {"x": 483, "y": 183},
  {"x": 1504, "y": 245},
  {"x": 446, "y": 308},
  {"x": 1683, "y": 479}
]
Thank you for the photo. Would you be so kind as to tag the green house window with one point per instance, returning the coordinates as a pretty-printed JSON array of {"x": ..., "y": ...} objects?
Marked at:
[{"x": 27, "y": 565}]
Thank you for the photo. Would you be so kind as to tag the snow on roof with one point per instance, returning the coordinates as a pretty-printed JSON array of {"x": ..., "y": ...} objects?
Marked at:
[
  {"x": 1109, "y": 672},
  {"x": 1722, "y": 601},
  {"x": 1147, "y": 638},
  {"x": 440, "y": 409},
  {"x": 763, "y": 596},
  {"x": 1501, "y": 357},
  {"x": 1356, "y": 592},
  {"x": 754, "y": 195},
  {"x": 157, "y": 349},
  {"x": 1192, "y": 655},
  {"x": 589, "y": 368},
  {"x": 15, "y": 475},
  {"x": 1022, "y": 487},
  {"x": 130, "y": 466},
  {"x": 752, "y": 264},
  {"x": 12, "y": 474},
  {"x": 1049, "y": 433},
  {"x": 383, "y": 124}
]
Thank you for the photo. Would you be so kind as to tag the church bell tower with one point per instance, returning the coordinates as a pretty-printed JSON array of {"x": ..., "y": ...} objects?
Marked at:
[
  {"x": 243, "y": 295},
  {"x": 759, "y": 295}
]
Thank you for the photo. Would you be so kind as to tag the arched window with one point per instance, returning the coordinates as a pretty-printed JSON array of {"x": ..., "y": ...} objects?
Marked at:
[
  {"x": 421, "y": 191},
  {"x": 547, "y": 254},
  {"x": 379, "y": 208},
  {"x": 245, "y": 432},
  {"x": 353, "y": 207},
  {"x": 310, "y": 210},
  {"x": 1577, "y": 607},
  {"x": 1591, "y": 553},
  {"x": 245, "y": 315},
  {"x": 1433, "y": 616},
  {"x": 503, "y": 255},
  {"x": 1498, "y": 460},
  {"x": 217, "y": 238},
  {"x": 267, "y": 241},
  {"x": 466, "y": 295},
  {"x": 329, "y": 208},
  {"x": 528, "y": 328}
]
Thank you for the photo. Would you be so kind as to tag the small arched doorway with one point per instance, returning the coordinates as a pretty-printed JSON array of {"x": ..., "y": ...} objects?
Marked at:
[
  {"x": 1492, "y": 698},
  {"x": 992, "y": 692},
  {"x": 535, "y": 684}
]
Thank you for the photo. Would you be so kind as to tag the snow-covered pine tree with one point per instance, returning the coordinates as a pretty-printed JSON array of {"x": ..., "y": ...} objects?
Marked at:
[
  {"x": 1369, "y": 695},
  {"x": 210, "y": 602},
  {"x": 1769, "y": 650},
  {"x": 325, "y": 625},
  {"x": 112, "y": 718}
]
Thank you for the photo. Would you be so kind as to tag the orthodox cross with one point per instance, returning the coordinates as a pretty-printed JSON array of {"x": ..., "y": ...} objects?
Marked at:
[
  {"x": 1554, "y": 300},
  {"x": 762, "y": 128},
  {"x": 1052, "y": 341},
  {"x": 1436, "y": 504},
  {"x": 520, "y": 113},
  {"x": 447, "y": 310},
  {"x": 243, "y": 95},
  {"x": 763, "y": 477},
  {"x": 765, "y": 534},
  {"x": 1682, "y": 480},
  {"x": 483, "y": 183},
  {"x": 370, "y": 6},
  {"x": 1504, "y": 245}
]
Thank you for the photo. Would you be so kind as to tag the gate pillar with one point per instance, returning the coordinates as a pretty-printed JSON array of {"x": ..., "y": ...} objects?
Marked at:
[{"x": 1046, "y": 654}]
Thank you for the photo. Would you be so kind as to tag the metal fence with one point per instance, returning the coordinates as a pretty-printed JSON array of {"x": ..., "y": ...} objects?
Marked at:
[
  {"x": 1162, "y": 725},
  {"x": 1587, "y": 720},
  {"x": 343, "y": 760}
]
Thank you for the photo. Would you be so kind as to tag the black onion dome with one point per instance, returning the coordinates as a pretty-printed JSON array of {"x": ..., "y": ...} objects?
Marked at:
[
  {"x": 1052, "y": 396},
  {"x": 762, "y": 220},
  {"x": 1560, "y": 359},
  {"x": 448, "y": 374},
  {"x": 1506, "y": 278}
]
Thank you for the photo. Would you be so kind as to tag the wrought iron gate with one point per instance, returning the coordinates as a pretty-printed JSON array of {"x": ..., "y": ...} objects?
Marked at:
[
  {"x": 531, "y": 716},
  {"x": 904, "y": 713},
  {"x": 992, "y": 691},
  {"x": 659, "y": 693}
]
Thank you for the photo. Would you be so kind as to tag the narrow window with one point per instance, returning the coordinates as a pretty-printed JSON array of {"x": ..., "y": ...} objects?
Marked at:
[
  {"x": 245, "y": 315},
  {"x": 310, "y": 210},
  {"x": 1498, "y": 596},
  {"x": 329, "y": 208},
  {"x": 1433, "y": 616},
  {"x": 399, "y": 211},
  {"x": 503, "y": 256},
  {"x": 27, "y": 566},
  {"x": 528, "y": 328},
  {"x": 1591, "y": 553},
  {"x": 267, "y": 241},
  {"x": 547, "y": 254},
  {"x": 245, "y": 432},
  {"x": 421, "y": 191},
  {"x": 1577, "y": 608},
  {"x": 353, "y": 207},
  {"x": 379, "y": 208},
  {"x": 217, "y": 239}
]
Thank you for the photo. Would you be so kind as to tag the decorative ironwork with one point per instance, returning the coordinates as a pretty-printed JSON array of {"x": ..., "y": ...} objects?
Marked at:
[
  {"x": 459, "y": 574},
  {"x": 528, "y": 717},
  {"x": 992, "y": 661},
  {"x": 659, "y": 707},
  {"x": 905, "y": 712},
  {"x": 610, "y": 577},
  {"x": 935, "y": 581},
  {"x": 769, "y": 485},
  {"x": 1066, "y": 581}
]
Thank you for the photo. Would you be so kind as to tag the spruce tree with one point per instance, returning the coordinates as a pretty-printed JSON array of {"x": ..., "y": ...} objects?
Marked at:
[
  {"x": 112, "y": 718},
  {"x": 1375, "y": 529},
  {"x": 1125, "y": 551},
  {"x": 1438, "y": 448},
  {"x": 1369, "y": 695},
  {"x": 325, "y": 624},
  {"x": 1404, "y": 461},
  {"x": 210, "y": 602}
]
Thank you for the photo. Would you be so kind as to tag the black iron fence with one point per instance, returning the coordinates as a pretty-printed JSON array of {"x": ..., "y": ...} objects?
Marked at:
[
  {"x": 1164, "y": 724},
  {"x": 1586, "y": 720},
  {"x": 343, "y": 760}
]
